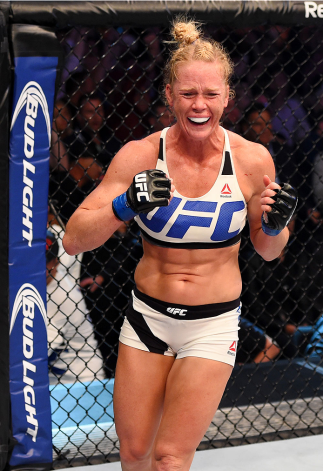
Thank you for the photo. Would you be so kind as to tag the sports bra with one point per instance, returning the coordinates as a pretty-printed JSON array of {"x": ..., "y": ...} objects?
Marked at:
[{"x": 214, "y": 220}]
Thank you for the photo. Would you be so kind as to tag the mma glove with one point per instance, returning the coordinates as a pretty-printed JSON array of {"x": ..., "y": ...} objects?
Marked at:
[
  {"x": 149, "y": 189},
  {"x": 282, "y": 210}
]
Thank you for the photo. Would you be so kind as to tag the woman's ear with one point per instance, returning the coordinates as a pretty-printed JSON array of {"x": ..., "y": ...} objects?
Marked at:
[
  {"x": 226, "y": 101},
  {"x": 169, "y": 95}
]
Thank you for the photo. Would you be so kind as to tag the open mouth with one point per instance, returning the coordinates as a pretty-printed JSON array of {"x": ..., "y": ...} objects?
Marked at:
[{"x": 199, "y": 121}]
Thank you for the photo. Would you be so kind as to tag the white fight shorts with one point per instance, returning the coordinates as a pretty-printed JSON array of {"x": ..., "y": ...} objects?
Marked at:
[{"x": 206, "y": 331}]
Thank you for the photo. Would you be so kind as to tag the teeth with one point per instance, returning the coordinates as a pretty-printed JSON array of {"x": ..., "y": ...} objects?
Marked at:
[{"x": 199, "y": 120}]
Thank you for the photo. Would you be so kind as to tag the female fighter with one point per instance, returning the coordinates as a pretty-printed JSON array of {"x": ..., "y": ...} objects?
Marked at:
[{"x": 190, "y": 188}]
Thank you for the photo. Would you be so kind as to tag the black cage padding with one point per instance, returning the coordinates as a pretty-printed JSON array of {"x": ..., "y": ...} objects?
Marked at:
[{"x": 145, "y": 13}]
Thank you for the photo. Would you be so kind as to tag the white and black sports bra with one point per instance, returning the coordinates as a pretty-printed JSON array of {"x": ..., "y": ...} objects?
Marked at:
[{"x": 213, "y": 220}]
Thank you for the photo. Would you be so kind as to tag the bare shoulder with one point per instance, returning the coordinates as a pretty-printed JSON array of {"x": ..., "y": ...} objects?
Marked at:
[
  {"x": 136, "y": 156},
  {"x": 252, "y": 161},
  {"x": 249, "y": 153}
]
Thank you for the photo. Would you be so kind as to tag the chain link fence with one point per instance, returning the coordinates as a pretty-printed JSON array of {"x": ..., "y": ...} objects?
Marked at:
[{"x": 110, "y": 94}]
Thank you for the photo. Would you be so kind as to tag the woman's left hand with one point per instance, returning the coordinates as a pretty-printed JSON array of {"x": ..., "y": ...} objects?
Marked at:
[{"x": 266, "y": 196}]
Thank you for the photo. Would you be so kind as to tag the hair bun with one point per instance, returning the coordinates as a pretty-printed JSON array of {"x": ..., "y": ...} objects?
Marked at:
[{"x": 185, "y": 33}]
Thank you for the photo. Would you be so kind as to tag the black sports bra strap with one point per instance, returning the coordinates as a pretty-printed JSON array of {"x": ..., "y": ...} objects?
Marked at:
[
  {"x": 161, "y": 149},
  {"x": 162, "y": 146},
  {"x": 227, "y": 167}
]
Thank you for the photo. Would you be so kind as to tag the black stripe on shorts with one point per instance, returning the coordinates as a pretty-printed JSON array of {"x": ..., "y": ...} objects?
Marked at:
[
  {"x": 183, "y": 312},
  {"x": 140, "y": 326}
]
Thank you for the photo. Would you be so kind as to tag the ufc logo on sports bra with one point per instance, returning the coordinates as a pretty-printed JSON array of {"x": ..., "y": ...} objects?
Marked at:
[
  {"x": 141, "y": 184},
  {"x": 184, "y": 221}
]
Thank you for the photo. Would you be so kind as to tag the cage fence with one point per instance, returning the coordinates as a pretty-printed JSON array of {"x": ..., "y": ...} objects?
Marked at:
[{"x": 111, "y": 93}]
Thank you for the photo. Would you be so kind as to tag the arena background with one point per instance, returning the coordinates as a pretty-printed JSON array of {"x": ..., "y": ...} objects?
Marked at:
[{"x": 107, "y": 93}]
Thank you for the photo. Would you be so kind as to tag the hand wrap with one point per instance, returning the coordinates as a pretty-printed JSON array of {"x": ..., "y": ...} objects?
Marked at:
[
  {"x": 282, "y": 210},
  {"x": 148, "y": 190}
]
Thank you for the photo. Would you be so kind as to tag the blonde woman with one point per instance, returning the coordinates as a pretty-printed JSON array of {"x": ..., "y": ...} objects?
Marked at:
[{"x": 179, "y": 339}]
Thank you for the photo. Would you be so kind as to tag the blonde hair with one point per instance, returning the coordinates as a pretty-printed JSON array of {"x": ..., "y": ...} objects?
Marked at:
[{"x": 191, "y": 45}]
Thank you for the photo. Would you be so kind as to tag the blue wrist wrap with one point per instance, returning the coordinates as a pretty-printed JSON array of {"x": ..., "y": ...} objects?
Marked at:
[
  {"x": 267, "y": 230},
  {"x": 122, "y": 209}
]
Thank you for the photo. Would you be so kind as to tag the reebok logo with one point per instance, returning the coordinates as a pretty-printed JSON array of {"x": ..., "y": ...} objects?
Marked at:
[
  {"x": 175, "y": 310},
  {"x": 226, "y": 191},
  {"x": 313, "y": 9},
  {"x": 233, "y": 348}
]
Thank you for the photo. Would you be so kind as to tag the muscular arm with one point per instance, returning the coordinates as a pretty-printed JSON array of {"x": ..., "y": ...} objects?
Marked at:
[
  {"x": 269, "y": 247},
  {"x": 94, "y": 221}
]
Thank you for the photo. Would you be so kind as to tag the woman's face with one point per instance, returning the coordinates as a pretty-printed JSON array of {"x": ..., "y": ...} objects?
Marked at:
[{"x": 198, "y": 97}]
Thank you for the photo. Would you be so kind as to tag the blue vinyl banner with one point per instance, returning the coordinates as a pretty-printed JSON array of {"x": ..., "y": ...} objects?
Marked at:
[{"x": 33, "y": 101}]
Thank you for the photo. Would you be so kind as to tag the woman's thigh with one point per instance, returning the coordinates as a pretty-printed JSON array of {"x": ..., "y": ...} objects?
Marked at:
[
  {"x": 194, "y": 390},
  {"x": 139, "y": 391}
]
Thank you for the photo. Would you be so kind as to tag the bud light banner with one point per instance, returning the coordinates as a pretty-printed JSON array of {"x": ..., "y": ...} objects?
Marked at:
[{"x": 32, "y": 111}]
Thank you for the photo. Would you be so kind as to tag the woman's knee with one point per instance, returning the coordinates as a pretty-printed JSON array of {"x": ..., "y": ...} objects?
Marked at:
[
  {"x": 168, "y": 463},
  {"x": 170, "y": 459},
  {"x": 132, "y": 452}
]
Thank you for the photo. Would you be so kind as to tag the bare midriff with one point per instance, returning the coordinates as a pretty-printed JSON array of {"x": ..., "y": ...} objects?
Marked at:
[{"x": 189, "y": 277}]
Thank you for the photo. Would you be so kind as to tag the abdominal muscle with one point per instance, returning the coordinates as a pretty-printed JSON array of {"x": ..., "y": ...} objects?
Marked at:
[{"x": 189, "y": 277}]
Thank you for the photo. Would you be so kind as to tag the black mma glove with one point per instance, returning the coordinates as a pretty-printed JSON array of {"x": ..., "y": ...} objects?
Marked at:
[
  {"x": 148, "y": 190},
  {"x": 282, "y": 210}
]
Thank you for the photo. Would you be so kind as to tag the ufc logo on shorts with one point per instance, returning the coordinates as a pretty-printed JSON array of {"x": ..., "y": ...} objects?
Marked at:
[
  {"x": 141, "y": 185},
  {"x": 175, "y": 310}
]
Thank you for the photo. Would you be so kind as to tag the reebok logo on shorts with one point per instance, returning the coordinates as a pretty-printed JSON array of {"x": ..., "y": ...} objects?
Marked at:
[{"x": 233, "y": 348}]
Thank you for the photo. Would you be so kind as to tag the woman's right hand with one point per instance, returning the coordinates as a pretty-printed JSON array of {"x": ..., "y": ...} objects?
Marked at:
[{"x": 149, "y": 189}]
